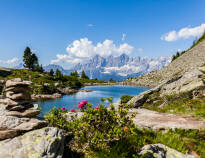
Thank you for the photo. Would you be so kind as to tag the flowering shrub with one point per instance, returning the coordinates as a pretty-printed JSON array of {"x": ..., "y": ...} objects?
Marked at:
[
  {"x": 96, "y": 128},
  {"x": 82, "y": 105}
]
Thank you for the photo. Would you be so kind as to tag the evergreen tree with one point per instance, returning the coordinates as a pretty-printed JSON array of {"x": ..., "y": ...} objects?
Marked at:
[
  {"x": 51, "y": 73},
  {"x": 59, "y": 75},
  {"x": 75, "y": 74},
  {"x": 40, "y": 68},
  {"x": 83, "y": 75},
  {"x": 30, "y": 59},
  {"x": 111, "y": 80}
]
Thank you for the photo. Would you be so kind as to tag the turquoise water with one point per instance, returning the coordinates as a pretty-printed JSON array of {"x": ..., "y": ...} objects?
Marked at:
[{"x": 71, "y": 101}]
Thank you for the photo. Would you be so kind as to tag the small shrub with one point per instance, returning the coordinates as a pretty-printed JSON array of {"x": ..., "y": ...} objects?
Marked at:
[{"x": 125, "y": 99}]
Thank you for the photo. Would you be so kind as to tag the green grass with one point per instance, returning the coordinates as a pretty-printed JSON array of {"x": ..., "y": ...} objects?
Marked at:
[
  {"x": 182, "y": 104},
  {"x": 39, "y": 79},
  {"x": 185, "y": 141}
]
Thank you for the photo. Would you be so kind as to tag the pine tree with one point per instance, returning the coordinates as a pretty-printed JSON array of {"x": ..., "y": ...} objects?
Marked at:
[
  {"x": 30, "y": 59},
  {"x": 83, "y": 75},
  {"x": 59, "y": 75},
  {"x": 76, "y": 74},
  {"x": 40, "y": 69},
  {"x": 51, "y": 73}
]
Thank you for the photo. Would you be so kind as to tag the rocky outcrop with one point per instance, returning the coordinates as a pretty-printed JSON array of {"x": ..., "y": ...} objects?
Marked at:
[
  {"x": 192, "y": 80},
  {"x": 67, "y": 90},
  {"x": 189, "y": 81},
  {"x": 17, "y": 112},
  {"x": 162, "y": 121},
  {"x": 42, "y": 143},
  {"x": 161, "y": 151},
  {"x": 46, "y": 96},
  {"x": 86, "y": 90}
]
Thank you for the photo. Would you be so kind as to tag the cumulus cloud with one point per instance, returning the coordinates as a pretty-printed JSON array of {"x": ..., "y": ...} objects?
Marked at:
[
  {"x": 184, "y": 33},
  {"x": 83, "y": 49},
  {"x": 10, "y": 62},
  {"x": 123, "y": 36}
]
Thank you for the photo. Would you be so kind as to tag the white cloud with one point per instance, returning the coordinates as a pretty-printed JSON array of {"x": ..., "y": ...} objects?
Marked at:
[
  {"x": 83, "y": 49},
  {"x": 184, "y": 33},
  {"x": 123, "y": 36},
  {"x": 90, "y": 25},
  {"x": 10, "y": 62}
]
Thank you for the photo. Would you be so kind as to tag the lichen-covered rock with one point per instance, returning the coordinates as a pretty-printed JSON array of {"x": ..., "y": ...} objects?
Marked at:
[
  {"x": 15, "y": 125},
  {"x": 161, "y": 151},
  {"x": 189, "y": 81},
  {"x": 43, "y": 143}
]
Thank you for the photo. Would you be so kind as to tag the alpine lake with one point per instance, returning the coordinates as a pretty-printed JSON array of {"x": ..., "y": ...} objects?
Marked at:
[{"x": 93, "y": 97}]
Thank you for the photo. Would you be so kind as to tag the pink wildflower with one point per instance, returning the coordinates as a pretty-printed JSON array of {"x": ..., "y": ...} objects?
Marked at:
[
  {"x": 80, "y": 105},
  {"x": 84, "y": 102},
  {"x": 72, "y": 110},
  {"x": 198, "y": 95},
  {"x": 62, "y": 108},
  {"x": 96, "y": 107}
]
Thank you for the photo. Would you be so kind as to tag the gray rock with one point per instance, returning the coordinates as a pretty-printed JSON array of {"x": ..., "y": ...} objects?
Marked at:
[
  {"x": 17, "y": 82},
  {"x": 140, "y": 99},
  {"x": 43, "y": 143},
  {"x": 189, "y": 81},
  {"x": 15, "y": 125},
  {"x": 161, "y": 151},
  {"x": 25, "y": 113},
  {"x": 18, "y": 96}
]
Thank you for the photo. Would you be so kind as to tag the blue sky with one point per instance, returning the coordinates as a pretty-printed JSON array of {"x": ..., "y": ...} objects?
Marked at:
[{"x": 50, "y": 28}]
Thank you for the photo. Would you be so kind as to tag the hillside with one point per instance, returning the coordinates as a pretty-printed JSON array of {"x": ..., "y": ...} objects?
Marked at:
[{"x": 192, "y": 58}]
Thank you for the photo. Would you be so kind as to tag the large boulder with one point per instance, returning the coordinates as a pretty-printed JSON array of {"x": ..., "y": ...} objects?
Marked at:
[
  {"x": 189, "y": 81},
  {"x": 43, "y": 143},
  {"x": 161, "y": 151},
  {"x": 140, "y": 99}
]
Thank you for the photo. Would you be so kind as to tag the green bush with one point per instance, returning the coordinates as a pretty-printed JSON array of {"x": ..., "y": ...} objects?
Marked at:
[
  {"x": 125, "y": 99},
  {"x": 96, "y": 128}
]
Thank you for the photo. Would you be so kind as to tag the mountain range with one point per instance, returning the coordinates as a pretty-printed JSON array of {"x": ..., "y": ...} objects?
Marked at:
[{"x": 117, "y": 68}]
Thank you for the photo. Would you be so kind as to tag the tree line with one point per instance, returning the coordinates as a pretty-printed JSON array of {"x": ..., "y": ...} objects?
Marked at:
[{"x": 31, "y": 62}]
